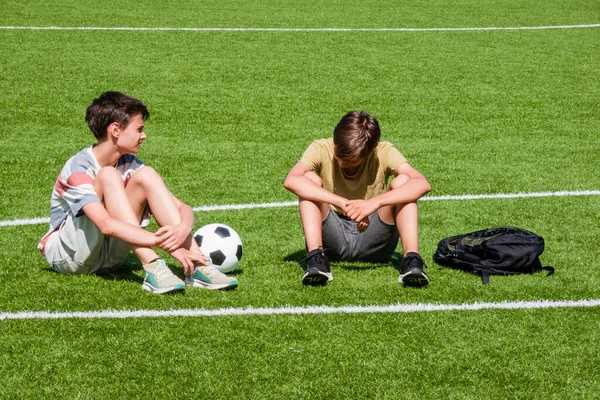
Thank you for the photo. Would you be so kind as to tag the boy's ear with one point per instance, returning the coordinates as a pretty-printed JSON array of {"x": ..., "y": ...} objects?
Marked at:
[{"x": 114, "y": 129}]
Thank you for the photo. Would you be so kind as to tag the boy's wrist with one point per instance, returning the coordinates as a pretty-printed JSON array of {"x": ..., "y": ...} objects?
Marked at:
[
  {"x": 341, "y": 203},
  {"x": 186, "y": 226},
  {"x": 378, "y": 202}
]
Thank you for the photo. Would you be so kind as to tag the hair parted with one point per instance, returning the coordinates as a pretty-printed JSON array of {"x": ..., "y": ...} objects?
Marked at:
[
  {"x": 113, "y": 107},
  {"x": 355, "y": 136}
]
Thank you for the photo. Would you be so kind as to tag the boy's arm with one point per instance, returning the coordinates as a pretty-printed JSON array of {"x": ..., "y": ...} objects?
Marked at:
[
  {"x": 298, "y": 183},
  {"x": 109, "y": 226},
  {"x": 416, "y": 186}
]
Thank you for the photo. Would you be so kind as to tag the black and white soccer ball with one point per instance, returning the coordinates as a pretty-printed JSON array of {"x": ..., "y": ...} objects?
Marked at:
[{"x": 221, "y": 245}]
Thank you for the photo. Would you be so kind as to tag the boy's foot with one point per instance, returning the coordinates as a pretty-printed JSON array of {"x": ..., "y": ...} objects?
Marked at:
[
  {"x": 411, "y": 271},
  {"x": 209, "y": 277},
  {"x": 160, "y": 279},
  {"x": 318, "y": 271}
]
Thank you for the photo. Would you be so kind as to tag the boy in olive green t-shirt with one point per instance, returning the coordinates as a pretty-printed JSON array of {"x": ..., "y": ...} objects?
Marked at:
[{"x": 348, "y": 211}]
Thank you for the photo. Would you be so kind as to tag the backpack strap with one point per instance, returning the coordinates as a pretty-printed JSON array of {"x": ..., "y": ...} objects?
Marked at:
[
  {"x": 549, "y": 269},
  {"x": 485, "y": 277}
]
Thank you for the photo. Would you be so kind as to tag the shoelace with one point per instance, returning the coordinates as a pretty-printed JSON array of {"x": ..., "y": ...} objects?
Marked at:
[
  {"x": 311, "y": 257},
  {"x": 162, "y": 272},
  {"x": 209, "y": 270},
  {"x": 411, "y": 259},
  {"x": 311, "y": 254},
  {"x": 312, "y": 260}
]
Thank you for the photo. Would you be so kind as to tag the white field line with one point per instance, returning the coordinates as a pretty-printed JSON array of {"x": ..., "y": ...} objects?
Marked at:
[
  {"x": 225, "y": 207},
  {"x": 208, "y": 29},
  {"x": 250, "y": 311}
]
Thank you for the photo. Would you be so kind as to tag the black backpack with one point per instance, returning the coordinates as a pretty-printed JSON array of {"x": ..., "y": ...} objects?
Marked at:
[{"x": 500, "y": 251}]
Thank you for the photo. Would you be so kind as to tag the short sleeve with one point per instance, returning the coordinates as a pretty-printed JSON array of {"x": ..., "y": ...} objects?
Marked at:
[
  {"x": 313, "y": 156},
  {"x": 391, "y": 157},
  {"x": 77, "y": 191}
]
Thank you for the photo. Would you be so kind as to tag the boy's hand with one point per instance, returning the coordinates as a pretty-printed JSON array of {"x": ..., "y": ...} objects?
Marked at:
[
  {"x": 188, "y": 259},
  {"x": 362, "y": 225},
  {"x": 172, "y": 237},
  {"x": 358, "y": 210},
  {"x": 342, "y": 204}
]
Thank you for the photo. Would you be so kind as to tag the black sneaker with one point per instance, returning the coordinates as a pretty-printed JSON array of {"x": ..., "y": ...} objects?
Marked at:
[
  {"x": 411, "y": 271},
  {"x": 318, "y": 272}
]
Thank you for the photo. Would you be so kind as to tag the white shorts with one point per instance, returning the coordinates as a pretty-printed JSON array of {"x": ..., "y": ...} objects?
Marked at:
[{"x": 79, "y": 247}]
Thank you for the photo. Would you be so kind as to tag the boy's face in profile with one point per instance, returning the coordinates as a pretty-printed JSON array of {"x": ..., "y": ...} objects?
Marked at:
[{"x": 131, "y": 137}]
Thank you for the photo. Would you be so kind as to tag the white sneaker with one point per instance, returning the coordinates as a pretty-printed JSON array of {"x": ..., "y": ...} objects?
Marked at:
[
  {"x": 160, "y": 279},
  {"x": 209, "y": 277}
]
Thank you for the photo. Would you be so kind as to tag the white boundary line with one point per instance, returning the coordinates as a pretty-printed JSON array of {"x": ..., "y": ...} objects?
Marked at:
[
  {"x": 562, "y": 193},
  {"x": 250, "y": 311},
  {"x": 208, "y": 29}
]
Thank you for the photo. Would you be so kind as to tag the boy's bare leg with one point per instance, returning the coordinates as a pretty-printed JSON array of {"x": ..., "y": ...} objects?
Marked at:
[
  {"x": 148, "y": 188},
  {"x": 405, "y": 217},
  {"x": 109, "y": 187},
  {"x": 312, "y": 215},
  {"x": 407, "y": 221}
]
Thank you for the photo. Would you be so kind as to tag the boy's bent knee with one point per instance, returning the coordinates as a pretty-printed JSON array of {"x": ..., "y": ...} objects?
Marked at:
[
  {"x": 145, "y": 176},
  {"x": 107, "y": 173},
  {"x": 106, "y": 177}
]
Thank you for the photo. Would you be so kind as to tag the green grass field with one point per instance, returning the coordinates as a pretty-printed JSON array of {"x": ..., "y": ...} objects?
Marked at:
[{"x": 476, "y": 111}]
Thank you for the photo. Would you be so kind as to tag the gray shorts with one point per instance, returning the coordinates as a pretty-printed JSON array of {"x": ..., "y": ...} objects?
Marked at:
[
  {"x": 342, "y": 241},
  {"x": 79, "y": 247}
]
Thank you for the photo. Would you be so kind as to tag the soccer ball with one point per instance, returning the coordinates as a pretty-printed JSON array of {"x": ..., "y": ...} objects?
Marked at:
[{"x": 221, "y": 245}]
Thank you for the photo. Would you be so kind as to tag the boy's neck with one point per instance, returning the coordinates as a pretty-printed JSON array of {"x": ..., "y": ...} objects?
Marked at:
[
  {"x": 351, "y": 171},
  {"x": 105, "y": 154},
  {"x": 349, "y": 168}
]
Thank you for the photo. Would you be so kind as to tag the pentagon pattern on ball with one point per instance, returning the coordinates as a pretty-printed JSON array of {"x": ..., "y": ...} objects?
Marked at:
[
  {"x": 217, "y": 257},
  {"x": 222, "y": 232}
]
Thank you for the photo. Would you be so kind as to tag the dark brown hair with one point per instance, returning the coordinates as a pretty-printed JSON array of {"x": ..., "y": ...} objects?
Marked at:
[
  {"x": 113, "y": 107},
  {"x": 355, "y": 136}
]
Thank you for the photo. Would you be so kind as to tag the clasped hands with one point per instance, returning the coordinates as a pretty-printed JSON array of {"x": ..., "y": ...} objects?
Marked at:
[{"x": 359, "y": 211}]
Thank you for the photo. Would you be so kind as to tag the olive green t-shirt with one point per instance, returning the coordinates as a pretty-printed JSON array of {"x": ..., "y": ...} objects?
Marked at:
[{"x": 371, "y": 178}]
